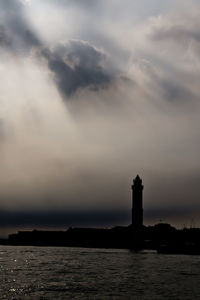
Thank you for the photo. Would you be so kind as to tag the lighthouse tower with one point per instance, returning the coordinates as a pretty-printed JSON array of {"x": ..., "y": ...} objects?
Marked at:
[{"x": 137, "y": 207}]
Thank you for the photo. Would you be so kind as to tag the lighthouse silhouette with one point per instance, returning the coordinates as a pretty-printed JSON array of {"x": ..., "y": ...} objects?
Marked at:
[{"x": 137, "y": 205}]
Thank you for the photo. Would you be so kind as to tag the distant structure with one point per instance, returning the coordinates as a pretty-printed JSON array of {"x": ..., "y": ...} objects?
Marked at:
[
  {"x": 161, "y": 237},
  {"x": 137, "y": 207}
]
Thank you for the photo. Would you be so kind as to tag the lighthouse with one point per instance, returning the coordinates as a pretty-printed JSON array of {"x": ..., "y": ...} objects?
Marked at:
[{"x": 137, "y": 206}]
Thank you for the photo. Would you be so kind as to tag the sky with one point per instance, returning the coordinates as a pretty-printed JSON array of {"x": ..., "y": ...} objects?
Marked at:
[{"x": 93, "y": 93}]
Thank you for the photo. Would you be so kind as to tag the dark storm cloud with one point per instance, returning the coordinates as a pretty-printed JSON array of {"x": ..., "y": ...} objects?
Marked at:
[
  {"x": 74, "y": 65},
  {"x": 15, "y": 32},
  {"x": 77, "y": 65},
  {"x": 63, "y": 218},
  {"x": 167, "y": 212}
]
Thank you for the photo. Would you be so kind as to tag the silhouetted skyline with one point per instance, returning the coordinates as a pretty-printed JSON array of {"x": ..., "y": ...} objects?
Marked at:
[{"x": 161, "y": 237}]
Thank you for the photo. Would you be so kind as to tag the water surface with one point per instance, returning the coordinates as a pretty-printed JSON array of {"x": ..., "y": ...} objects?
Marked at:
[{"x": 77, "y": 273}]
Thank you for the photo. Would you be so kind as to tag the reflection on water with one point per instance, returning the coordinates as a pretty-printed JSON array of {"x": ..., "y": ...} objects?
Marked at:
[{"x": 76, "y": 273}]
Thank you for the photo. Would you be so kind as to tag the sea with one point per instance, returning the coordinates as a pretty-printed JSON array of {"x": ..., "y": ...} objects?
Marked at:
[{"x": 82, "y": 273}]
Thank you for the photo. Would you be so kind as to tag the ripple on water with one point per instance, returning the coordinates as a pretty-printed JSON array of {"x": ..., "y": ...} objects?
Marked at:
[{"x": 75, "y": 273}]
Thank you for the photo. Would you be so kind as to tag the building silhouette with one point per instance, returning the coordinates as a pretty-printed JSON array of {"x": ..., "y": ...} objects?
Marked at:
[
  {"x": 137, "y": 206},
  {"x": 161, "y": 237}
]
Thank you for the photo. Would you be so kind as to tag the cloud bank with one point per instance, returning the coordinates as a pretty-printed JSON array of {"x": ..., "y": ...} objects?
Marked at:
[{"x": 91, "y": 95}]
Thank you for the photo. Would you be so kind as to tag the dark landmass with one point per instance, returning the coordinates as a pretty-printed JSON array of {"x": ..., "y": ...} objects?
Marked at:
[{"x": 162, "y": 237}]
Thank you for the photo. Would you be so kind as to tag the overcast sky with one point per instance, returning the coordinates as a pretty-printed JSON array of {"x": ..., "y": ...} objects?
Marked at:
[{"x": 93, "y": 93}]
